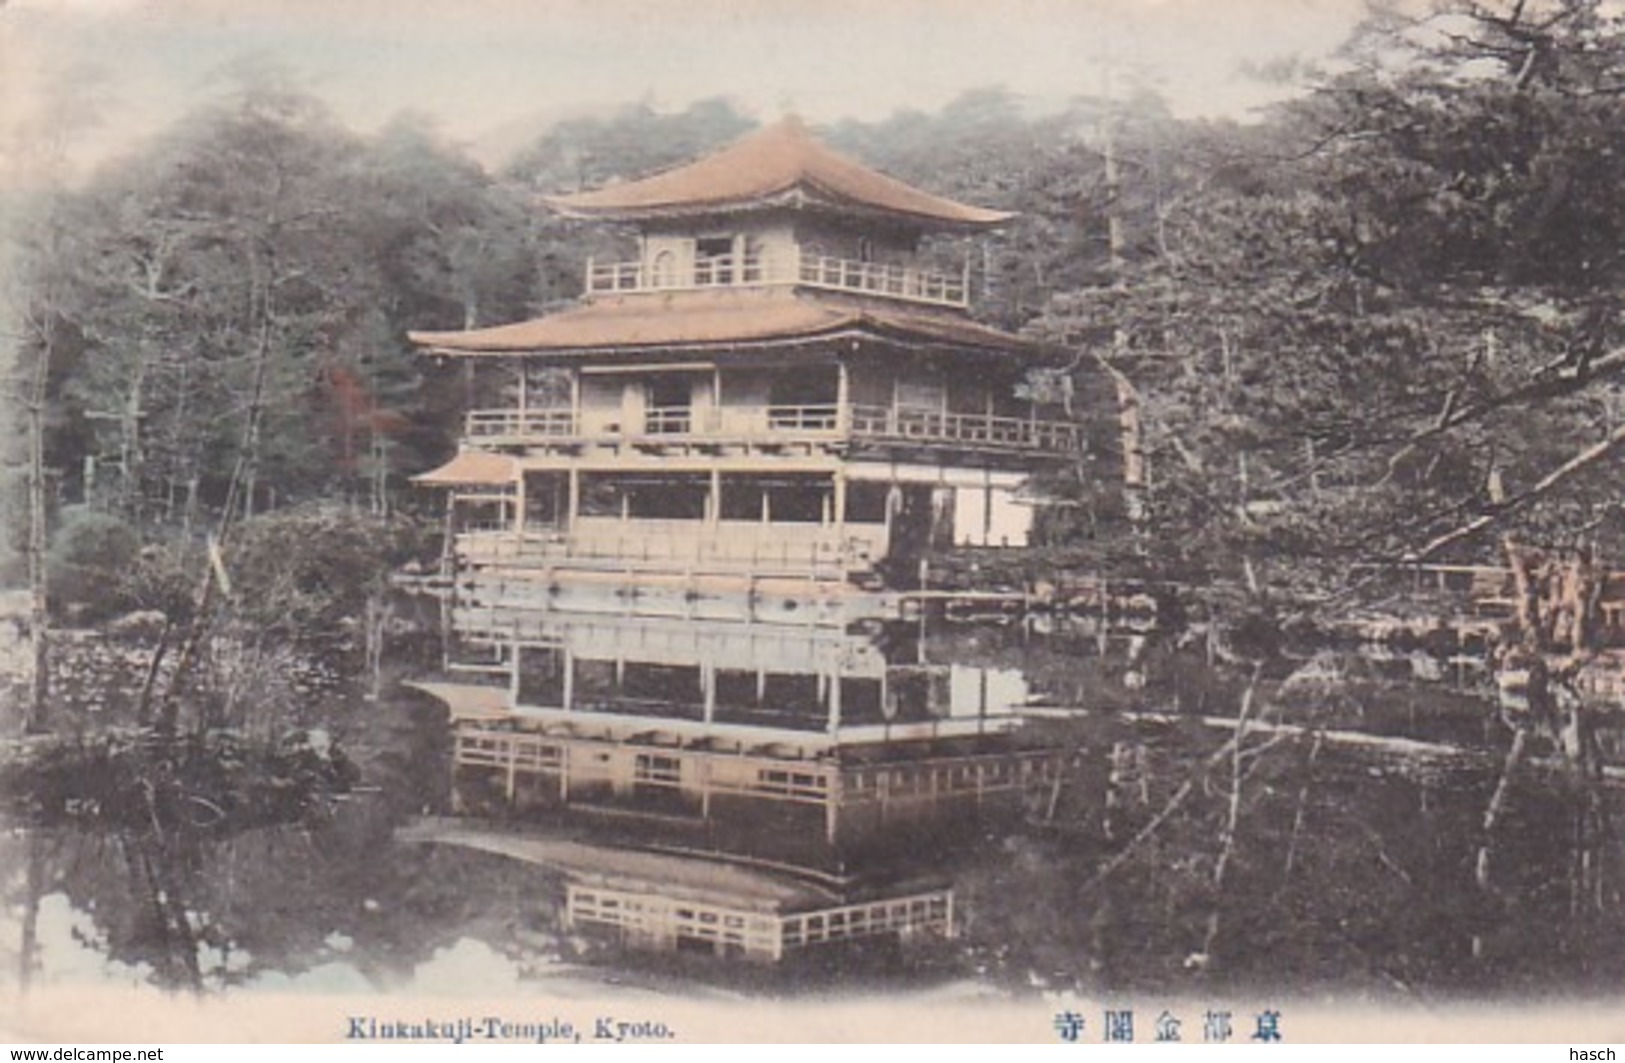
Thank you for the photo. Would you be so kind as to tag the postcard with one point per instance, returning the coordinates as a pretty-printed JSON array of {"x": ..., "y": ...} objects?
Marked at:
[{"x": 759, "y": 521}]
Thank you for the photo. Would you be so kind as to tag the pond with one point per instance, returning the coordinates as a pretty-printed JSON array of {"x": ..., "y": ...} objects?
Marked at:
[{"x": 1042, "y": 809}]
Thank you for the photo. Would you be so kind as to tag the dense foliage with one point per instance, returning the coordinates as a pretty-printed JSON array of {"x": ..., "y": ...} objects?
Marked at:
[{"x": 1381, "y": 323}]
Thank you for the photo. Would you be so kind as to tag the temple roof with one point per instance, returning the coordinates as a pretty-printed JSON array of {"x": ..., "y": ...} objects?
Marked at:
[
  {"x": 782, "y": 163},
  {"x": 724, "y": 317},
  {"x": 471, "y": 468}
]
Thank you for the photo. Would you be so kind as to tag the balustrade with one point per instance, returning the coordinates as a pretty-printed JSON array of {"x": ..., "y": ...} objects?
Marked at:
[{"x": 815, "y": 271}]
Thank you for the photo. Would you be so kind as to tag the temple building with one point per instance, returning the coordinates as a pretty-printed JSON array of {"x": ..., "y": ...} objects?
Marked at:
[
  {"x": 775, "y": 385},
  {"x": 816, "y": 747}
]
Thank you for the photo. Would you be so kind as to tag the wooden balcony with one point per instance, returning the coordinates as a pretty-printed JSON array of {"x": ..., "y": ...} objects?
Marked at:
[
  {"x": 970, "y": 430},
  {"x": 796, "y": 269},
  {"x": 811, "y": 550},
  {"x": 772, "y": 425}
]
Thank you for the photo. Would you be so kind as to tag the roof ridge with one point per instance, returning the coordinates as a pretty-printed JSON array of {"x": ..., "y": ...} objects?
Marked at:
[{"x": 766, "y": 163}]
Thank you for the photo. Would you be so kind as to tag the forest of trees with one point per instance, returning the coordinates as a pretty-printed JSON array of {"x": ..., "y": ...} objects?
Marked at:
[{"x": 1382, "y": 322}]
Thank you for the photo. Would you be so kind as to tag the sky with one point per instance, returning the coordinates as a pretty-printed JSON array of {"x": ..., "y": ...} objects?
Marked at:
[{"x": 493, "y": 72}]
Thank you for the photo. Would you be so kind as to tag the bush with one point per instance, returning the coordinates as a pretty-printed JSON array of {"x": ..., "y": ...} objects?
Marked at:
[
  {"x": 89, "y": 556},
  {"x": 306, "y": 571}
]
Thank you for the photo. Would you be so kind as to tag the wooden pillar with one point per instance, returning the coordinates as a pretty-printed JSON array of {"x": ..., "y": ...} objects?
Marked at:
[
  {"x": 843, "y": 398},
  {"x": 834, "y": 704},
  {"x": 832, "y": 804},
  {"x": 513, "y": 673}
]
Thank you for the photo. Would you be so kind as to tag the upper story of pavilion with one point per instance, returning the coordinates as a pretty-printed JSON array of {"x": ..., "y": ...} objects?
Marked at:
[{"x": 779, "y": 209}]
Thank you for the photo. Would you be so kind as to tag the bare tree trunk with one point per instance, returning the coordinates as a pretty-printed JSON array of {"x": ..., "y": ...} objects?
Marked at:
[
  {"x": 1132, "y": 436},
  {"x": 240, "y": 491},
  {"x": 245, "y": 474},
  {"x": 1497, "y": 807},
  {"x": 377, "y": 622},
  {"x": 380, "y": 472},
  {"x": 130, "y": 457},
  {"x": 36, "y": 718},
  {"x": 34, "y": 887}
]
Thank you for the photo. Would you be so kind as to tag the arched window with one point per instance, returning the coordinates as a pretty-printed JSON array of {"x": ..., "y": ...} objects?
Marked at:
[{"x": 663, "y": 271}]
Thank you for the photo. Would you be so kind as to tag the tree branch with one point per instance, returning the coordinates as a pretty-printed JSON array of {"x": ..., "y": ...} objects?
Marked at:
[{"x": 1581, "y": 461}]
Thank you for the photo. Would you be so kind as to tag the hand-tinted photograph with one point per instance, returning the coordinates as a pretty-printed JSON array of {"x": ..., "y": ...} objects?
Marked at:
[{"x": 1061, "y": 522}]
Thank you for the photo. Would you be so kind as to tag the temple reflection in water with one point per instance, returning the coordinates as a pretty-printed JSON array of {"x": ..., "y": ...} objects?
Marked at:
[{"x": 739, "y": 788}]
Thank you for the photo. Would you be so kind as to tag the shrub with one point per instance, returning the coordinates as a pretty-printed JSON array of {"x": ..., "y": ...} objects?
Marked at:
[
  {"x": 308, "y": 570},
  {"x": 88, "y": 558}
]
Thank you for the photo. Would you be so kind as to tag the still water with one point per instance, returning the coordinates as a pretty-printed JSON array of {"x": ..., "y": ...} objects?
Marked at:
[{"x": 705, "y": 807}]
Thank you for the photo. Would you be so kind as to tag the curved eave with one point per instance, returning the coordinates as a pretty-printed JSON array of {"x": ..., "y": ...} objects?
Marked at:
[
  {"x": 471, "y": 468},
  {"x": 801, "y": 196},
  {"x": 599, "y": 330}
]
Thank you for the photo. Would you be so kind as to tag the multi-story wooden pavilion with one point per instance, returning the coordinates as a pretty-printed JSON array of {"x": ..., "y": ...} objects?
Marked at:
[{"x": 776, "y": 384}]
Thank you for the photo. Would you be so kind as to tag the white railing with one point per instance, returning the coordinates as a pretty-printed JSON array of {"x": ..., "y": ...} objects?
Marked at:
[
  {"x": 667, "y": 543},
  {"x": 938, "y": 427},
  {"x": 542, "y": 423},
  {"x": 717, "y": 271},
  {"x": 815, "y": 271},
  {"x": 669, "y": 420},
  {"x": 876, "y": 278},
  {"x": 774, "y": 423},
  {"x": 818, "y": 417}
]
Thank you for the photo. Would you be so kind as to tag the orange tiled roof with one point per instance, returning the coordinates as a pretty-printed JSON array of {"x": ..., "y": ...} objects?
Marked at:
[
  {"x": 780, "y": 160},
  {"x": 657, "y": 321}
]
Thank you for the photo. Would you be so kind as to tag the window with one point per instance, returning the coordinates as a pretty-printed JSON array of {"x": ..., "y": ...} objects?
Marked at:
[
  {"x": 805, "y": 386},
  {"x": 866, "y": 502},
  {"x": 668, "y": 399},
  {"x": 670, "y": 685},
  {"x": 713, "y": 260},
  {"x": 679, "y": 496},
  {"x": 751, "y": 268},
  {"x": 541, "y": 676},
  {"x": 790, "y": 498},
  {"x": 663, "y": 270}
]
